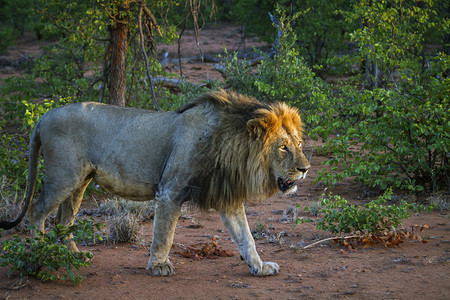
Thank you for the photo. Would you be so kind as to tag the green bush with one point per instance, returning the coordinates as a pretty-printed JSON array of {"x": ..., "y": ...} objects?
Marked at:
[
  {"x": 319, "y": 25},
  {"x": 321, "y": 30},
  {"x": 389, "y": 125},
  {"x": 15, "y": 18},
  {"x": 13, "y": 91},
  {"x": 45, "y": 255},
  {"x": 86, "y": 232},
  {"x": 34, "y": 111},
  {"x": 13, "y": 163},
  {"x": 284, "y": 77},
  {"x": 389, "y": 137},
  {"x": 253, "y": 16},
  {"x": 13, "y": 147},
  {"x": 169, "y": 101},
  {"x": 340, "y": 217},
  {"x": 7, "y": 35}
]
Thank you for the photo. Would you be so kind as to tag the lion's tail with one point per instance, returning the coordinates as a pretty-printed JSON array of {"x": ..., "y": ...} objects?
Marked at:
[{"x": 35, "y": 145}]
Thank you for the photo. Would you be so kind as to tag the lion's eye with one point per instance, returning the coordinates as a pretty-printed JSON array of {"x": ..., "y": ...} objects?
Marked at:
[{"x": 283, "y": 148}]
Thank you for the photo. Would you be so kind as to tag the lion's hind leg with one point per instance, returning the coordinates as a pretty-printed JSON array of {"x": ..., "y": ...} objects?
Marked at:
[
  {"x": 69, "y": 209},
  {"x": 39, "y": 212},
  {"x": 41, "y": 207},
  {"x": 55, "y": 194}
]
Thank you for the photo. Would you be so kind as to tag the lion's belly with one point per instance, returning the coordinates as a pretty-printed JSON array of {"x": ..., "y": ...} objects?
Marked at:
[{"x": 128, "y": 189}]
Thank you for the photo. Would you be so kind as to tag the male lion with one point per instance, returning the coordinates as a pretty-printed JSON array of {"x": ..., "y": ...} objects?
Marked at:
[{"x": 218, "y": 151}]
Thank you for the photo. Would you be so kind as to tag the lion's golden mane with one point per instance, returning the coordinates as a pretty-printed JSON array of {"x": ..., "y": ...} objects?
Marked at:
[{"x": 233, "y": 164}]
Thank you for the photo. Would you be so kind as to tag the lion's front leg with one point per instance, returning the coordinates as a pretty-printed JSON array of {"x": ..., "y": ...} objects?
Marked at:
[
  {"x": 166, "y": 217},
  {"x": 237, "y": 226}
]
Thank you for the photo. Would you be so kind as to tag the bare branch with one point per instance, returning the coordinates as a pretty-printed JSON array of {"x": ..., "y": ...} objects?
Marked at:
[
  {"x": 141, "y": 34},
  {"x": 332, "y": 239},
  {"x": 194, "y": 8},
  {"x": 105, "y": 72},
  {"x": 179, "y": 49},
  {"x": 152, "y": 19}
]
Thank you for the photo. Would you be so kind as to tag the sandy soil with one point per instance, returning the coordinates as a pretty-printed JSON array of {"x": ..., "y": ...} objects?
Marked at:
[{"x": 414, "y": 270}]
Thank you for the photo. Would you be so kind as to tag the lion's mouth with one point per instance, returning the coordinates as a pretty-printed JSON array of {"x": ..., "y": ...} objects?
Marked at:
[{"x": 286, "y": 185}]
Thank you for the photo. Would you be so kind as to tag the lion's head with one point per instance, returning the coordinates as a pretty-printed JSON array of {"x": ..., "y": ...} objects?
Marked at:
[
  {"x": 280, "y": 128},
  {"x": 255, "y": 150}
]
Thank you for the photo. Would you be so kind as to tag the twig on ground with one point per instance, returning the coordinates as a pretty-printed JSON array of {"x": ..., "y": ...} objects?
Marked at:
[{"x": 332, "y": 239}]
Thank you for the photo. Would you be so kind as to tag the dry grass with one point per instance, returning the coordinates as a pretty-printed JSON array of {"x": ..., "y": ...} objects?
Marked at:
[
  {"x": 124, "y": 218},
  {"x": 10, "y": 204},
  {"x": 440, "y": 200},
  {"x": 123, "y": 228}
]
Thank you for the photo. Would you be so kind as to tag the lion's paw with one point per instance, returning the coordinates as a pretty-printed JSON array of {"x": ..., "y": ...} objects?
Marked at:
[
  {"x": 268, "y": 268},
  {"x": 162, "y": 269}
]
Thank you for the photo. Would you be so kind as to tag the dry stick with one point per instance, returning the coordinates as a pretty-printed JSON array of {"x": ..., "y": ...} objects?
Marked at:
[
  {"x": 330, "y": 239},
  {"x": 141, "y": 34},
  {"x": 105, "y": 72},
  {"x": 152, "y": 19},
  {"x": 179, "y": 50},
  {"x": 185, "y": 247},
  {"x": 194, "y": 12},
  {"x": 133, "y": 79}
]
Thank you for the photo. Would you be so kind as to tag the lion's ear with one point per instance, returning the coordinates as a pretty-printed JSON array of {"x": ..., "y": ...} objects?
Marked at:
[{"x": 256, "y": 128}]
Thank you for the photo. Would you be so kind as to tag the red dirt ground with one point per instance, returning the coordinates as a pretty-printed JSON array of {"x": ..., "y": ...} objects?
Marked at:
[{"x": 414, "y": 270}]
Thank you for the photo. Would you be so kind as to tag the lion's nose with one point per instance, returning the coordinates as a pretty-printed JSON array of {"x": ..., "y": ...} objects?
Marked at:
[{"x": 304, "y": 169}]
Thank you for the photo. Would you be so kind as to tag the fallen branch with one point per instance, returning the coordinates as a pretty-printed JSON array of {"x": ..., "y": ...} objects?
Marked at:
[
  {"x": 332, "y": 239},
  {"x": 391, "y": 238},
  {"x": 171, "y": 83},
  {"x": 203, "y": 250},
  {"x": 221, "y": 69},
  {"x": 167, "y": 82}
]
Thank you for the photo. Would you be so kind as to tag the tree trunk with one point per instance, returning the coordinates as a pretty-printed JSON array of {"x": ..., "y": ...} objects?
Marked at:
[{"x": 118, "y": 71}]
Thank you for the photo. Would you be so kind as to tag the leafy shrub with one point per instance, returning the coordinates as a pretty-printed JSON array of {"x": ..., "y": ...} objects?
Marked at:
[
  {"x": 253, "y": 16},
  {"x": 7, "y": 35},
  {"x": 340, "y": 217},
  {"x": 188, "y": 92},
  {"x": 13, "y": 162},
  {"x": 389, "y": 126},
  {"x": 320, "y": 26},
  {"x": 321, "y": 29},
  {"x": 283, "y": 77},
  {"x": 169, "y": 101},
  {"x": 20, "y": 94},
  {"x": 45, "y": 255},
  {"x": 34, "y": 111},
  {"x": 399, "y": 140},
  {"x": 87, "y": 232},
  {"x": 13, "y": 91},
  {"x": 13, "y": 147},
  {"x": 314, "y": 208},
  {"x": 15, "y": 18}
]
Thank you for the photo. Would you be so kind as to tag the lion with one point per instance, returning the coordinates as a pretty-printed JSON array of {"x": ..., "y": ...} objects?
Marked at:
[{"x": 218, "y": 152}]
